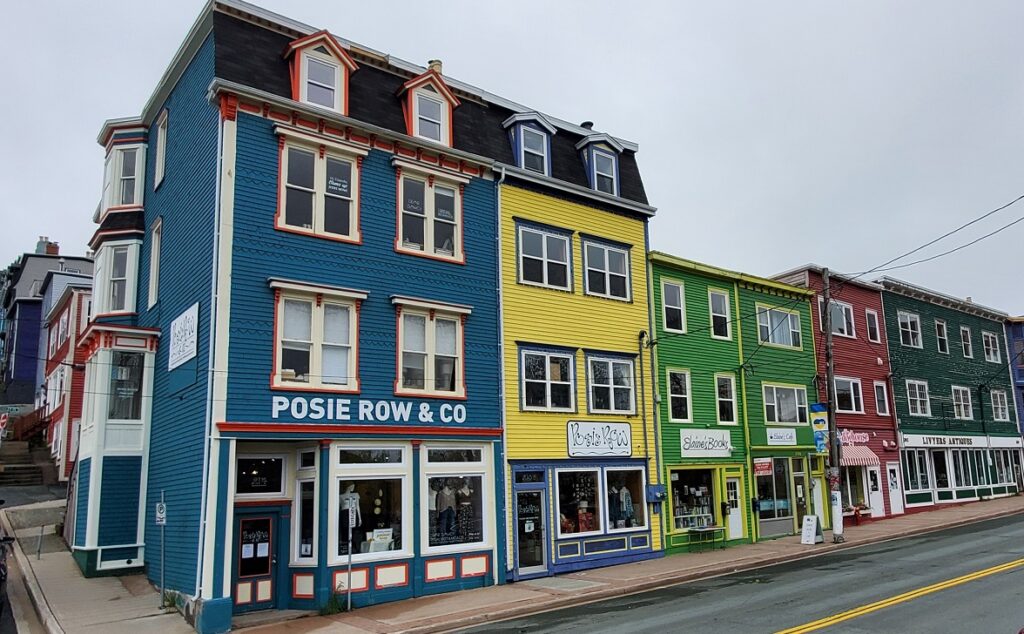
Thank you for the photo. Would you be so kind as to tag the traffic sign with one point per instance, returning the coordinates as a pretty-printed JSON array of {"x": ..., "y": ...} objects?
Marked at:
[{"x": 161, "y": 514}]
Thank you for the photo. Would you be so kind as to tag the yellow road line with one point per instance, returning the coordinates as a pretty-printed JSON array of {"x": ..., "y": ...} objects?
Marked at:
[{"x": 900, "y": 598}]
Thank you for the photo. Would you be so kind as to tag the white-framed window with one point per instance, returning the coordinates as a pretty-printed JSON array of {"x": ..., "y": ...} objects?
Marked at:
[
  {"x": 673, "y": 306},
  {"x": 376, "y": 479},
  {"x": 62, "y": 327},
  {"x": 320, "y": 191},
  {"x": 881, "y": 398},
  {"x": 842, "y": 317},
  {"x": 966, "y": 343},
  {"x": 962, "y": 407},
  {"x": 317, "y": 338},
  {"x": 607, "y": 270},
  {"x": 785, "y": 404},
  {"x": 961, "y": 459},
  {"x": 155, "y": 239},
  {"x": 680, "y": 408},
  {"x": 918, "y": 402},
  {"x": 431, "y": 340},
  {"x": 456, "y": 486},
  {"x": 610, "y": 386},
  {"x": 580, "y": 502},
  {"x": 625, "y": 489},
  {"x": 322, "y": 82},
  {"x": 778, "y": 327},
  {"x": 916, "y": 470},
  {"x": 718, "y": 304},
  {"x": 980, "y": 458},
  {"x": 990, "y": 342},
  {"x": 123, "y": 172},
  {"x": 430, "y": 115},
  {"x": 544, "y": 258},
  {"x": 431, "y": 221},
  {"x": 533, "y": 150},
  {"x": 52, "y": 349},
  {"x": 874, "y": 333},
  {"x": 260, "y": 475},
  {"x": 305, "y": 507},
  {"x": 161, "y": 149},
  {"x": 549, "y": 382},
  {"x": 910, "y": 329},
  {"x": 941, "y": 336},
  {"x": 118, "y": 278},
  {"x": 849, "y": 397},
  {"x": 1000, "y": 407},
  {"x": 115, "y": 276},
  {"x": 725, "y": 399},
  {"x": 605, "y": 176}
]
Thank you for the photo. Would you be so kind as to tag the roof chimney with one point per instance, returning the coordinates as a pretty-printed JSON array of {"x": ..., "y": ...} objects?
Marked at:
[
  {"x": 52, "y": 248},
  {"x": 434, "y": 65},
  {"x": 969, "y": 300},
  {"x": 588, "y": 125},
  {"x": 41, "y": 245}
]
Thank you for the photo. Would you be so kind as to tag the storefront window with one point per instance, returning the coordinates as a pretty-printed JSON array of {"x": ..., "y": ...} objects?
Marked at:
[
  {"x": 982, "y": 462},
  {"x": 456, "y": 510},
  {"x": 377, "y": 526},
  {"x": 626, "y": 507},
  {"x": 962, "y": 467},
  {"x": 773, "y": 491},
  {"x": 453, "y": 455},
  {"x": 373, "y": 456},
  {"x": 259, "y": 476},
  {"x": 126, "y": 385},
  {"x": 579, "y": 502},
  {"x": 693, "y": 502},
  {"x": 306, "y": 519},
  {"x": 915, "y": 469},
  {"x": 941, "y": 470},
  {"x": 853, "y": 487}
]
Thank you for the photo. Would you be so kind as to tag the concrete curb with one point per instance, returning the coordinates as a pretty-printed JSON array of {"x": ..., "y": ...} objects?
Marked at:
[
  {"x": 532, "y": 608},
  {"x": 35, "y": 592}
]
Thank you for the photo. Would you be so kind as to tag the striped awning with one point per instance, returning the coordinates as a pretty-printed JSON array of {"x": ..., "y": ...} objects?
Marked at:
[{"x": 858, "y": 456}]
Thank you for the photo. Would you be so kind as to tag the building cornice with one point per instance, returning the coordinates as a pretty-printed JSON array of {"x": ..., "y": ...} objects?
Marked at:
[
  {"x": 667, "y": 259},
  {"x": 913, "y": 291},
  {"x": 577, "y": 190}
]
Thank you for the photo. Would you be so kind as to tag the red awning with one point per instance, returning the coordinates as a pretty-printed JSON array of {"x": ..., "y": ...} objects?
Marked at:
[{"x": 858, "y": 456}]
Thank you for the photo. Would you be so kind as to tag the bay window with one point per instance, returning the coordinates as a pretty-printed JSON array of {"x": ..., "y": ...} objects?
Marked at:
[
  {"x": 431, "y": 218},
  {"x": 611, "y": 385},
  {"x": 126, "y": 372},
  {"x": 122, "y": 178},
  {"x": 785, "y": 405},
  {"x": 319, "y": 187},
  {"x": 548, "y": 380},
  {"x": 778, "y": 327},
  {"x": 431, "y": 349}
]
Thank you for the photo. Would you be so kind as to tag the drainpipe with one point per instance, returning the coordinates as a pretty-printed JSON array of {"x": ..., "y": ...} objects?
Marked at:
[
  {"x": 500, "y": 468},
  {"x": 643, "y": 410}
]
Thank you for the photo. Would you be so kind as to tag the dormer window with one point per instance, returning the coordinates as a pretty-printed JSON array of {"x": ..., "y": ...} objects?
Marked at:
[
  {"x": 428, "y": 104},
  {"x": 320, "y": 71},
  {"x": 534, "y": 150},
  {"x": 604, "y": 172},
  {"x": 429, "y": 117},
  {"x": 321, "y": 82},
  {"x": 530, "y": 134},
  {"x": 601, "y": 155}
]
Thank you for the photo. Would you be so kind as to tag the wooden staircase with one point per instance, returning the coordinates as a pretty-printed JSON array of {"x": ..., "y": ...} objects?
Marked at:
[{"x": 16, "y": 465}]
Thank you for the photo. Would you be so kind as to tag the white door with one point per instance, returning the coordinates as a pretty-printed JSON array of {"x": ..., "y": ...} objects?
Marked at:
[
  {"x": 892, "y": 478},
  {"x": 874, "y": 485},
  {"x": 732, "y": 496}
]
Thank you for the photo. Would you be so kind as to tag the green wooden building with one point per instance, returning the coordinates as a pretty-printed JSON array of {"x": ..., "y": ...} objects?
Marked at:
[{"x": 953, "y": 395}]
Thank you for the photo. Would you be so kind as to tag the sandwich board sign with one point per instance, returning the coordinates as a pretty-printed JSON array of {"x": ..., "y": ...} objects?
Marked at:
[{"x": 811, "y": 533}]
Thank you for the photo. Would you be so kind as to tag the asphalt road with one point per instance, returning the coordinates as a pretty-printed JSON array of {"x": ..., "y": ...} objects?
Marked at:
[{"x": 794, "y": 594}]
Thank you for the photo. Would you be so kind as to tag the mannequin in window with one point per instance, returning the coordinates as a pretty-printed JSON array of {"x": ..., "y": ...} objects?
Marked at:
[
  {"x": 614, "y": 514},
  {"x": 445, "y": 505},
  {"x": 350, "y": 498},
  {"x": 626, "y": 506},
  {"x": 464, "y": 513}
]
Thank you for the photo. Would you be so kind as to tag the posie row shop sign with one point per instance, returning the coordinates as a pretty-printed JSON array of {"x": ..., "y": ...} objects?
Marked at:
[{"x": 347, "y": 410}]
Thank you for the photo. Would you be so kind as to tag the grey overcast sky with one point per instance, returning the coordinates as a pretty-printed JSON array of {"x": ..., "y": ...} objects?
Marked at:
[{"x": 771, "y": 134}]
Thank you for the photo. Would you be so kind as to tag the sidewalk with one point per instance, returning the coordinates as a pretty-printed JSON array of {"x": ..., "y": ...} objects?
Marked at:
[{"x": 445, "y": 612}]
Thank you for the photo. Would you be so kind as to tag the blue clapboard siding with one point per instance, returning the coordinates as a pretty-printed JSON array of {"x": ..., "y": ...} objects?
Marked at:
[
  {"x": 186, "y": 201},
  {"x": 82, "y": 500},
  {"x": 261, "y": 252},
  {"x": 119, "y": 503}
]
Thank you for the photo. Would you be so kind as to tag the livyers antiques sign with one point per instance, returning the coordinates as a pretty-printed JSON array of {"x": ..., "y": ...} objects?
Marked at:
[
  {"x": 941, "y": 441},
  {"x": 705, "y": 443},
  {"x": 588, "y": 439}
]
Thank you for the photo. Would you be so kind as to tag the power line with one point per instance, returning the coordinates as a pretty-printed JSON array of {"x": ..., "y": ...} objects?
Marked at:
[{"x": 945, "y": 253}]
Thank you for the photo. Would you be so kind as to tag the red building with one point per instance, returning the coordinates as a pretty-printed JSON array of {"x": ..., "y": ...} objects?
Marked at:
[
  {"x": 64, "y": 382},
  {"x": 870, "y": 464}
]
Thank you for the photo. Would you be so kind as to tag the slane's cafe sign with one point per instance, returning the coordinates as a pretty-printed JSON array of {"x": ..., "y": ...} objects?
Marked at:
[{"x": 347, "y": 410}]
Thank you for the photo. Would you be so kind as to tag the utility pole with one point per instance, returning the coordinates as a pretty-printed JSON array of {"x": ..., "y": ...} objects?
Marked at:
[{"x": 833, "y": 431}]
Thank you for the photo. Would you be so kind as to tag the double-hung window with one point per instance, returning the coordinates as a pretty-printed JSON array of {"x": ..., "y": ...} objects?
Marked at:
[
  {"x": 941, "y": 336},
  {"x": 679, "y": 396},
  {"x": 1000, "y": 409},
  {"x": 673, "y": 306},
  {"x": 785, "y": 404},
  {"x": 611, "y": 385},
  {"x": 841, "y": 314},
  {"x": 155, "y": 239},
  {"x": 779, "y": 327},
  {"x": 607, "y": 270},
  {"x": 721, "y": 325},
  {"x": 431, "y": 218},
  {"x": 321, "y": 81},
  {"x": 544, "y": 258},
  {"x": 991, "y": 344},
  {"x": 849, "y": 398},
  {"x": 122, "y": 177},
  {"x": 117, "y": 297},
  {"x": 725, "y": 396},
  {"x": 317, "y": 338},
  {"x": 161, "y": 149},
  {"x": 962, "y": 408},
  {"x": 871, "y": 317},
  {"x": 918, "y": 402},
  {"x": 431, "y": 344},
  {"x": 127, "y": 177},
  {"x": 320, "y": 192},
  {"x": 548, "y": 381},
  {"x": 881, "y": 398},
  {"x": 910, "y": 329},
  {"x": 965, "y": 342},
  {"x": 429, "y": 117},
  {"x": 534, "y": 150},
  {"x": 605, "y": 177}
]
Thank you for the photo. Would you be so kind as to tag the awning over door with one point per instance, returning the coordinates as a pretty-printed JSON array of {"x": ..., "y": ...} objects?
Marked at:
[{"x": 858, "y": 456}]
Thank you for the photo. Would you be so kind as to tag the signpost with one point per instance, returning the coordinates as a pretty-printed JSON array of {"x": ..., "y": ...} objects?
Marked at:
[
  {"x": 349, "y": 503},
  {"x": 161, "y": 521}
]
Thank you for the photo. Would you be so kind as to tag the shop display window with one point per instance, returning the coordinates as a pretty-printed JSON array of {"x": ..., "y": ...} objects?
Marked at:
[
  {"x": 773, "y": 491},
  {"x": 455, "y": 510},
  {"x": 626, "y": 507},
  {"x": 941, "y": 470},
  {"x": 853, "y": 487},
  {"x": 915, "y": 469},
  {"x": 306, "y": 510},
  {"x": 378, "y": 518},
  {"x": 579, "y": 502},
  {"x": 693, "y": 498},
  {"x": 259, "y": 476}
]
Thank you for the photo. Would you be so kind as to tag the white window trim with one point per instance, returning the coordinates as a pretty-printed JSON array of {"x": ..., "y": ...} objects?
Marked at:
[
  {"x": 161, "y": 149},
  {"x": 927, "y": 398},
  {"x": 155, "y": 243},
  {"x": 1004, "y": 407},
  {"x": 911, "y": 319},
  {"x": 607, "y": 271},
  {"x": 334, "y": 151},
  {"x": 370, "y": 471},
  {"x": 112, "y": 176},
  {"x": 547, "y": 367},
  {"x": 782, "y": 386},
  {"x": 524, "y": 130},
  {"x": 431, "y": 314},
  {"x": 444, "y": 124},
  {"x": 296, "y": 292},
  {"x": 272, "y": 495},
  {"x": 614, "y": 175},
  {"x": 847, "y": 313},
  {"x": 103, "y": 269},
  {"x": 305, "y": 475},
  {"x": 611, "y": 386},
  {"x": 944, "y": 338},
  {"x": 643, "y": 503},
  {"x": 339, "y": 79},
  {"x": 868, "y": 314},
  {"x": 689, "y": 394},
  {"x": 429, "y": 216},
  {"x": 860, "y": 393},
  {"x": 985, "y": 337},
  {"x": 766, "y": 311},
  {"x": 885, "y": 399},
  {"x": 719, "y": 400},
  {"x": 966, "y": 345},
  {"x": 601, "y": 495},
  {"x": 484, "y": 469},
  {"x": 966, "y": 403},
  {"x": 544, "y": 260},
  {"x": 665, "y": 306},
  {"x": 711, "y": 314}
]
